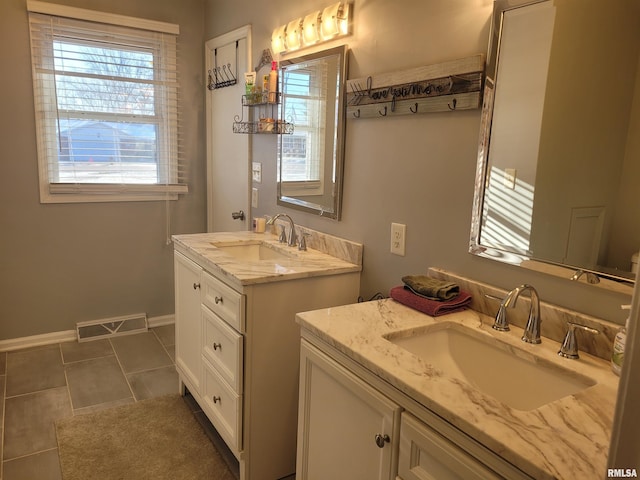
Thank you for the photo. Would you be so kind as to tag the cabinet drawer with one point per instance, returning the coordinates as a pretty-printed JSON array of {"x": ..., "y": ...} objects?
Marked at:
[
  {"x": 223, "y": 406},
  {"x": 224, "y": 301},
  {"x": 222, "y": 346},
  {"x": 425, "y": 454}
]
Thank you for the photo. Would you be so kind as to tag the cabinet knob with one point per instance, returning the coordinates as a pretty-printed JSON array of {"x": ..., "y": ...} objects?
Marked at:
[
  {"x": 217, "y": 346},
  {"x": 217, "y": 399},
  {"x": 196, "y": 286},
  {"x": 218, "y": 300},
  {"x": 382, "y": 439}
]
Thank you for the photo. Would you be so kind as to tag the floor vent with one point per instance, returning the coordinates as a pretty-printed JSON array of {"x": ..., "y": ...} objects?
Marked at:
[{"x": 112, "y": 327}]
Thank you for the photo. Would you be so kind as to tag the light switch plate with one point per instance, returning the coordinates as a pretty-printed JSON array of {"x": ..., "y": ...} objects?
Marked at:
[
  {"x": 256, "y": 172},
  {"x": 509, "y": 179},
  {"x": 254, "y": 198}
]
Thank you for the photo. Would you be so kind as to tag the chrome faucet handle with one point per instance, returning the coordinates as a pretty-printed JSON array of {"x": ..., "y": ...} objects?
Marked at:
[
  {"x": 303, "y": 241},
  {"x": 500, "y": 323},
  {"x": 283, "y": 235},
  {"x": 569, "y": 348}
]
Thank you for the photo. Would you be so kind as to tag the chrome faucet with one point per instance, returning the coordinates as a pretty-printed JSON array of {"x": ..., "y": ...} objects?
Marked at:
[
  {"x": 532, "y": 329},
  {"x": 591, "y": 277},
  {"x": 293, "y": 238}
]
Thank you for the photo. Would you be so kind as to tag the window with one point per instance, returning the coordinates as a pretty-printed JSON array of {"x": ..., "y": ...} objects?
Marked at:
[
  {"x": 105, "y": 89},
  {"x": 303, "y": 152}
]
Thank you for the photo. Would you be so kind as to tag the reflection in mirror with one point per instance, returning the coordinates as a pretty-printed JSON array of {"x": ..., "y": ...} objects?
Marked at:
[
  {"x": 558, "y": 161},
  {"x": 310, "y": 160}
]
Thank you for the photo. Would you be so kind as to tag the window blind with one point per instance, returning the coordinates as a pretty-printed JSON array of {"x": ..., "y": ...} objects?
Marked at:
[
  {"x": 303, "y": 154},
  {"x": 106, "y": 104}
]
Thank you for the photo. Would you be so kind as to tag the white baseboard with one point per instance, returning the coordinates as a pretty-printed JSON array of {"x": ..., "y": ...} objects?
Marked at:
[
  {"x": 161, "y": 320},
  {"x": 66, "y": 336}
]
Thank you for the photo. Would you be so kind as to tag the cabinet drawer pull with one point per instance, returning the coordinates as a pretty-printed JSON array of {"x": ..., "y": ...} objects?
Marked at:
[
  {"x": 218, "y": 300},
  {"x": 217, "y": 346},
  {"x": 196, "y": 286},
  {"x": 382, "y": 439},
  {"x": 217, "y": 399}
]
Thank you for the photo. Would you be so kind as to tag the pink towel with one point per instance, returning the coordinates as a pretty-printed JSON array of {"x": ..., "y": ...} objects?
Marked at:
[{"x": 432, "y": 308}]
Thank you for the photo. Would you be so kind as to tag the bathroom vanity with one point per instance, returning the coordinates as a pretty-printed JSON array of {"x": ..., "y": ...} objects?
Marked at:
[
  {"x": 237, "y": 342},
  {"x": 377, "y": 397}
]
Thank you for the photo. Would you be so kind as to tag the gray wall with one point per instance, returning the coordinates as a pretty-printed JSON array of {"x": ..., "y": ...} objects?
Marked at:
[
  {"x": 418, "y": 170},
  {"x": 60, "y": 264},
  {"x": 64, "y": 263}
]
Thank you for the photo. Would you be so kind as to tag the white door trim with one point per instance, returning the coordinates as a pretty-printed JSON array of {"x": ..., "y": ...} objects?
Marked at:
[{"x": 210, "y": 46}]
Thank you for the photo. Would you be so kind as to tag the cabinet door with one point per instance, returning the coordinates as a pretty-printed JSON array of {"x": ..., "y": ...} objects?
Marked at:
[
  {"x": 427, "y": 455},
  {"x": 346, "y": 430},
  {"x": 188, "y": 323}
]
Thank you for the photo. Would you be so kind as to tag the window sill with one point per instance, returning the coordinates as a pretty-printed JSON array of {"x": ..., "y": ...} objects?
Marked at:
[{"x": 95, "y": 193}]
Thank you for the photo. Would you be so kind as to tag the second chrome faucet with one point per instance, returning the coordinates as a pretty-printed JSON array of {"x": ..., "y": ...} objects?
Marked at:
[{"x": 532, "y": 328}]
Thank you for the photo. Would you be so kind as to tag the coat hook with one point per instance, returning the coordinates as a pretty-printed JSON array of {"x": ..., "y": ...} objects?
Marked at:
[
  {"x": 412, "y": 108},
  {"x": 454, "y": 104},
  {"x": 383, "y": 114},
  {"x": 356, "y": 114}
]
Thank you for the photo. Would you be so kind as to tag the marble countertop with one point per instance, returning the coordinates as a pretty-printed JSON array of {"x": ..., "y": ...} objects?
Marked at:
[
  {"x": 565, "y": 439},
  {"x": 296, "y": 264}
]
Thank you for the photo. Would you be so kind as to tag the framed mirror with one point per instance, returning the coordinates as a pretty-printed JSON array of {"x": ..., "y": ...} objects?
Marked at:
[
  {"x": 310, "y": 161},
  {"x": 559, "y": 150}
]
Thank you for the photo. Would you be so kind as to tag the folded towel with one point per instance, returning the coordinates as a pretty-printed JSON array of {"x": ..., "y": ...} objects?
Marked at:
[
  {"x": 431, "y": 288},
  {"x": 432, "y": 308}
]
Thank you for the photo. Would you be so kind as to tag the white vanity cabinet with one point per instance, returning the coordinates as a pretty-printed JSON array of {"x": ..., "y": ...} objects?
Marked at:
[
  {"x": 347, "y": 430},
  {"x": 187, "y": 276},
  {"x": 237, "y": 352},
  {"x": 352, "y": 425}
]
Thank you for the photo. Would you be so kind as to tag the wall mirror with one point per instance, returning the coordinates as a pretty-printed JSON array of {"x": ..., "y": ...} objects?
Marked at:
[
  {"x": 310, "y": 161},
  {"x": 559, "y": 152}
]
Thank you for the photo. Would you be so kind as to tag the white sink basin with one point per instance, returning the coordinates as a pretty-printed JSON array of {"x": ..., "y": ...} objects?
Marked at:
[
  {"x": 510, "y": 375},
  {"x": 252, "y": 251}
]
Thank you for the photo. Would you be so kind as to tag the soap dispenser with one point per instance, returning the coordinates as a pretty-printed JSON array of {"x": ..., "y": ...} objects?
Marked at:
[{"x": 617, "y": 357}]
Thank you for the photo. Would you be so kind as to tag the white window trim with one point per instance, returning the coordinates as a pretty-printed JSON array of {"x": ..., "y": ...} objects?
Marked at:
[
  {"x": 83, "y": 193},
  {"x": 37, "y": 6}
]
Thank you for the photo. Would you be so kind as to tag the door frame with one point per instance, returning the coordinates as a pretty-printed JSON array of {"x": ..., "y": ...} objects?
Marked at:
[{"x": 210, "y": 46}]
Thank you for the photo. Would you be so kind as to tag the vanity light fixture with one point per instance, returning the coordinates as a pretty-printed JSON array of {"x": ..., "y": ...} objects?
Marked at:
[
  {"x": 278, "y": 39},
  {"x": 335, "y": 21},
  {"x": 293, "y": 34},
  {"x": 310, "y": 28},
  {"x": 316, "y": 27}
]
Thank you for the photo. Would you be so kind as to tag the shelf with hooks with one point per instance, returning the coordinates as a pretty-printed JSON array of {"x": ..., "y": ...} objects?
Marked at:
[
  {"x": 263, "y": 106},
  {"x": 443, "y": 87}
]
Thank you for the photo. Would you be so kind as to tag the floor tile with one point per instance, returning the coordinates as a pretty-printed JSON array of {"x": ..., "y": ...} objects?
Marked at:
[
  {"x": 75, "y": 351},
  {"x": 29, "y": 423},
  {"x": 103, "y": 406},
  {"x": 140, "y": 352},
  {"x": 34, "y": 370},
  {"x": 41, "y": 466},
  {"x": 166, "y": 334},
  {"x": 96, "y": 381},
  {"x": 154, "y": 383}
]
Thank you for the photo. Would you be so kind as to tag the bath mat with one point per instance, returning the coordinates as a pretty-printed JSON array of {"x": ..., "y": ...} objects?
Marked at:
[{"x": 152, "y": 439}]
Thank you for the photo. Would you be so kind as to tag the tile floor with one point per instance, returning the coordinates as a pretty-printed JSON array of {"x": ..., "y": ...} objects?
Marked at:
[{"x": 42, "y": 384}]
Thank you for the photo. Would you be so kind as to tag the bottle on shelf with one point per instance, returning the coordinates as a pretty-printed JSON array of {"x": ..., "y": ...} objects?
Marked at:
[{"x": 273, "y": 83}]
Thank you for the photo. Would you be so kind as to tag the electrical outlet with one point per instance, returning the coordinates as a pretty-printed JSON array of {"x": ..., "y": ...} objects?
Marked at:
[
  {"x": 254, "y": 197},
  {"x": 398, "y": 234}
]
